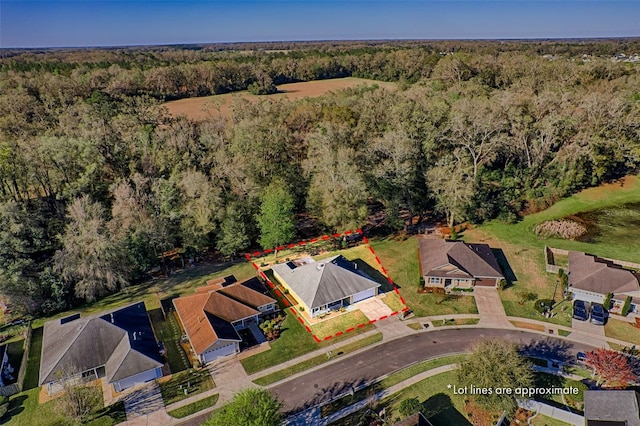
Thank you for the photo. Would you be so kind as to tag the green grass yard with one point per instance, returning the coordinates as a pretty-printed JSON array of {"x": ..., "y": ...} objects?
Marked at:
[
  {"x": 622, "y": 330},
  {"x": 341, "y": 323},
  {"x": 168, "y": 331},
  {"x": 194, "y": 407},
  {"x": 293, "y": 342},
  {"x": 320, "y": 359},
  {"x": 602, "y": 197},
  {"x": 33, "y": 362},
  {"x": 194, "y": 381},
  {"x": 24, "y": 410}
]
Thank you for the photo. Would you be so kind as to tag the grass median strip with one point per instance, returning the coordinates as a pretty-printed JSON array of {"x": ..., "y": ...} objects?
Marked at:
[
  {"x": 320, "y": 359},
  {"x": 194, "y": 407},
  {"x": 390, "y": 380}
]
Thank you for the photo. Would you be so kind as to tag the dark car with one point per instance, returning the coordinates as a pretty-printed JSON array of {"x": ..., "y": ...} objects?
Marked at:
[
  {"x": 580, "y": 310},
  {"x": 598, "y": 314}
]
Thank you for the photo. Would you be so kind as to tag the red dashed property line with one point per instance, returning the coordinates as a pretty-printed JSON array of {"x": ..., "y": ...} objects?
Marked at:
[{"x": 325, "y": 238}]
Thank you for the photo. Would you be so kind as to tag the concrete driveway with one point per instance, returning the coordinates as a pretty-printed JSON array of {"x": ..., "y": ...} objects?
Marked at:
[
  {"x": 373, "y": 308},
  {"x": 490, "y": 308},
  {"x": 589, "y": 333}
]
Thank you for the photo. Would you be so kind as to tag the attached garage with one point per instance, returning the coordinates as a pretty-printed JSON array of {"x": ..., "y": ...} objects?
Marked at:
[
  {"x": 364, "y": 295},
  {"x": 144, "y": 377},
  {"x": 219, "y": 349}
]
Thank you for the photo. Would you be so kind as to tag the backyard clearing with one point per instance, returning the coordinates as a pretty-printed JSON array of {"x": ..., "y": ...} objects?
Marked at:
[{"x": 207, "y": 106}]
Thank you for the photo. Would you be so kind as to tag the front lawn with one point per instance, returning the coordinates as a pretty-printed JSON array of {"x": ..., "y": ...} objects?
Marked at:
[
  {"x": 293, "y": 342},
  {"x": 194, "y": 407},
  {"x": 25, "y": 410},
  {"x": 185, "y": 384},
  {"x": 317, "y": 360},
  {"x": 622, "y": 330},
  {"x": 341, "y": 323}
]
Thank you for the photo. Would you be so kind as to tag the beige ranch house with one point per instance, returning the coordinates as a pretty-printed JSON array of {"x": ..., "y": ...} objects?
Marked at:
[
  {"x": 449, "y": 265},
  {"x": 327, "y": 285},
  {"x": 591, "y": 278}
]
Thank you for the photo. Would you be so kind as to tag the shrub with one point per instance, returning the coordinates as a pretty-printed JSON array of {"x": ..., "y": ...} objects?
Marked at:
[
  {"x": 564, "y": 228},
  {"x": 543, "y": 305},
  {"x": 626, "y": 306},
  {"x": 502, "y": 284},
  {"x": 607, "y": 301},
  {"x": 410, "y": 406},
  {"x": 421, "y": 281}
]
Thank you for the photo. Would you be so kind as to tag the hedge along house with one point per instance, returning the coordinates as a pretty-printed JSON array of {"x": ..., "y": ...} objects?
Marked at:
[
  {"x": 591, "y": 278},
  {"x": 119, "y": 346},
  {"x": 213, "y": 317},
  {"x": 327, "y": 285},
  {"x": 447, "y": 265}
]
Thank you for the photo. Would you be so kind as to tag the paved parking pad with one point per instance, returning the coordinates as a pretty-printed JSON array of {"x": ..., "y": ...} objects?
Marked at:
[{"x": 374, "y": 308}]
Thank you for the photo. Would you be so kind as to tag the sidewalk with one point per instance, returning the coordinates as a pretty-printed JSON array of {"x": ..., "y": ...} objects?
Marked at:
[
  {"x": 313, "y": 416},
  {"x": 553, "y": 412},
  {"x": 391, "y": 328}
]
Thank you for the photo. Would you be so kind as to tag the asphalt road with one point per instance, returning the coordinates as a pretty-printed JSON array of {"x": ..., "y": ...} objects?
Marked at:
[{"x": 334, "y": 379}]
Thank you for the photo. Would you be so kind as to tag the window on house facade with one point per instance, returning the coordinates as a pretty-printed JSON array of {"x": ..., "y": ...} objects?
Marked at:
[{"x": 433, "y": 280}]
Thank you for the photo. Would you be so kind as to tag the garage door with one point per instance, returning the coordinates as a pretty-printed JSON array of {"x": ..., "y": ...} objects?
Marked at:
[
  {"x": 221, "y": 351},
  {"x": 364, "y": 295}
]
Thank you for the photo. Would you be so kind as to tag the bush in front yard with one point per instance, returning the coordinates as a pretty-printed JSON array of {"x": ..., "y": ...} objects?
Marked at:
[
  {"x": 543, "y": 305},
  {"x": 626, "y": 306}
]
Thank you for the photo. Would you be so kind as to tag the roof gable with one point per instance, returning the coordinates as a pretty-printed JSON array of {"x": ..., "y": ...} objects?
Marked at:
[
  {"x": 472, "y": 260},
  {"x": 597, "y": 275},
  {"x": 86, "y": 343},
  {"x": 320, "y": 283}
]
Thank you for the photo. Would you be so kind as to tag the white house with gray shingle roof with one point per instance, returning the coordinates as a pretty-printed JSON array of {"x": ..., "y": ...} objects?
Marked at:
[
  {"x": 326, "y": 285},
  {"x": 119, "y": 346}
]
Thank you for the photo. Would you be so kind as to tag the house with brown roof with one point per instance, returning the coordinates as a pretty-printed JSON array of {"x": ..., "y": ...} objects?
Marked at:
[
  {"x": 448, "y": 265},
  {"x": 591, "y": 278},
  {"x": 119, "y": 346},
  {"x": 215, "y": 316}
]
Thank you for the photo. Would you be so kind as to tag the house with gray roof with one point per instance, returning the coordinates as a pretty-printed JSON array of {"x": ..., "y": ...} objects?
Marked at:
[
  {"x": 326, "y": 285},
  {"x": 447, "y": 264},
  {"x": 119, "y": 346},
  {"x": 591, "y": 278},
  {"x": 611, "y": 408}
]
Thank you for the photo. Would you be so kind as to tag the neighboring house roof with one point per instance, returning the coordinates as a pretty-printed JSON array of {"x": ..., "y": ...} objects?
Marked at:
[
  {"x": 326, "y": 281},
  {"x": 207, "y": 316},
  {"x": 457, "y": 259},
  {"x": 244, "y": 293},
  {"x": 122, "y": 341},
  {"x": 591, "y": 273},
  {"x": 612, "y": 407},
  {"x": 216, "y": 284}
]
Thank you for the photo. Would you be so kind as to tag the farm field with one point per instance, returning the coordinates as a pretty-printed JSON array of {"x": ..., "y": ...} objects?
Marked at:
[{"x": 207, "y": 106}]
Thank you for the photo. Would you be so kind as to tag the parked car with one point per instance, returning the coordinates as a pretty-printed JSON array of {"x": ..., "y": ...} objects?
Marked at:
[
  {"x": 580, "y": 311},
  {"x": 598, "y": 314},
  {"x": 581, "y": 357}
]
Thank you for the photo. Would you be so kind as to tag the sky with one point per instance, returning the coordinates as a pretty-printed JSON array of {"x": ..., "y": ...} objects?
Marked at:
[{"x": 55, "y": 23}]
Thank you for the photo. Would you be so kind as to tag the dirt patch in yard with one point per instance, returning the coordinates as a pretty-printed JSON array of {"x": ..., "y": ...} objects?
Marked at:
[{"x": 206, "y": 107}]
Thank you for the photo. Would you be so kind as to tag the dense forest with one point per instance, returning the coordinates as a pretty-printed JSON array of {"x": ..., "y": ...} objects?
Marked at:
[{"x": 97, "y": 179}]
